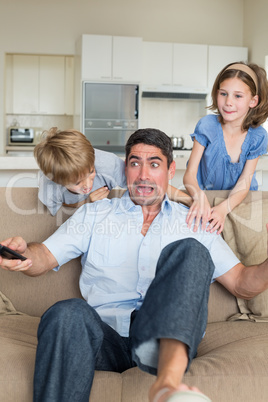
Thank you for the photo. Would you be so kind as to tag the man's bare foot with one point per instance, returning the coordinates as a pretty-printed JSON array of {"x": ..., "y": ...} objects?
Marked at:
[{"x": 163, "y": 394}]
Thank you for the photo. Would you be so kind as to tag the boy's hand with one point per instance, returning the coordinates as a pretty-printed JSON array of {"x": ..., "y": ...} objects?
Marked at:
[{"x": 99, "y": 194}]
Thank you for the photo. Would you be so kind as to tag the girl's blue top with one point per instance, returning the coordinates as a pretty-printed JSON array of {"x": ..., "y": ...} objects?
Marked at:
[{"x": 216, "y": 171}]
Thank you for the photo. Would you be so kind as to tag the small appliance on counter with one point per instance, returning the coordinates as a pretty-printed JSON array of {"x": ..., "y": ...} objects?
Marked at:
[
  {"x": 110, "y": 114},
  {"x": 22, "y": 138}
]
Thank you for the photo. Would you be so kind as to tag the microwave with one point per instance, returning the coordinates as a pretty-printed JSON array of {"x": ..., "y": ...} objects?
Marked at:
[{"x": 23, "y": 136}]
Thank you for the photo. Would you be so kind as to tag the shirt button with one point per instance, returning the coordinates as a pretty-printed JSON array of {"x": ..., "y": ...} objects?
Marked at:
[{"x": 143, "y": 268}]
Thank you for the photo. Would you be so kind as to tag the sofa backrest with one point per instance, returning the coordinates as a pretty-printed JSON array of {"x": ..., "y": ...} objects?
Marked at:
[{"x": 22, "y": 214}]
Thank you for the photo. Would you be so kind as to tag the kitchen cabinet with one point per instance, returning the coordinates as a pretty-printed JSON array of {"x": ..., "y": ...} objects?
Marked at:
[
  {"x": 96, "y": 57},
  {"x": 157, "y": 63},
  {"x": 25, "y": 84},
  {"x": 69, "y": 85},
  {"x": 220, "y": 56},
  {"x": 190, "y": 65},
  {"x": 174, "y": 65},
  {"x": 127, "y": 59},
  {"x": 39, "y": 84},
  {"x": 110, "y": 58},
  {"x": 51, "y": 85}
]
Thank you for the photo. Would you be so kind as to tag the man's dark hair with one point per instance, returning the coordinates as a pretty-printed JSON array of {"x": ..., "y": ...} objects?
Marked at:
[{"x": 151, "y": 136}]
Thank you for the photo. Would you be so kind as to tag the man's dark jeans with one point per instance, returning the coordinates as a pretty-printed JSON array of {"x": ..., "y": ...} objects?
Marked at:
[{"x": 73, "y": 341}]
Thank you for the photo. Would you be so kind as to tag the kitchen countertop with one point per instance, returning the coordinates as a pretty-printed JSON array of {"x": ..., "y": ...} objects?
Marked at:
[
  {"x": 11, "y": 162},
  {"x": 29, "y": 163},
  {"x": 18, "y": 163}
]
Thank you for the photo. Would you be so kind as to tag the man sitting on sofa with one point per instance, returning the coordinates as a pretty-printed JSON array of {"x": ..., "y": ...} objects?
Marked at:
[{"x": 145, "y": 280}]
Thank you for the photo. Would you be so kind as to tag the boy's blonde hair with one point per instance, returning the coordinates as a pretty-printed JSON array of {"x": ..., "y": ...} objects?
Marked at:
[
  {"x": 257, "y": 115},
  {"x": 64, "y": 156}
]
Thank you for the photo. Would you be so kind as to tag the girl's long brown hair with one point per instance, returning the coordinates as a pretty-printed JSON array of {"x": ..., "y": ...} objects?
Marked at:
[{"x": 257, "y": 115}]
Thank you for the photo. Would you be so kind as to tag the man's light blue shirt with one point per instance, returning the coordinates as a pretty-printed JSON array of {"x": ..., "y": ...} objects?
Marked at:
[{"x": 118, "y": 262}]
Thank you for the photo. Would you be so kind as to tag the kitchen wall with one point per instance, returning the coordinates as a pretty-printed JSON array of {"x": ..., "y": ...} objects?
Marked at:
[
  {"x": 52, "y": 27},
  {"x": 175, "y": 117},
  {"x": 42, "y": 121},
  {"x": 256, "y": 29}
]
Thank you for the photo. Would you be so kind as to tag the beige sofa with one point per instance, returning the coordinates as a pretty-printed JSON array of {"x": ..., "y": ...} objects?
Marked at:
[{"x": 232, "y": 361}]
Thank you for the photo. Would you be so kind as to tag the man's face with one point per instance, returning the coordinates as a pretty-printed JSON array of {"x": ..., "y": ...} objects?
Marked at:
[{"x": 147, "y": 174}]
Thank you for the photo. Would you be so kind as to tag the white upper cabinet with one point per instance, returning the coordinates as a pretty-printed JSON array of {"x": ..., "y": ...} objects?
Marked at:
[
  {"x": 174, "y": 66},
  {"x": 157, "y": 64},
  {"x": 110, "y": 58},
  {"x": 127, "y": 59},
  {"x": 51, "y": 85},
  {"x": 69, "y": 85},
  {"x": 190, "y": 65},
  {"x": 25, "y": 84},
  {"x": 39, "y": 84},
  {"x": 220, "y": 56},
  {"x": 96, "y": 57}
]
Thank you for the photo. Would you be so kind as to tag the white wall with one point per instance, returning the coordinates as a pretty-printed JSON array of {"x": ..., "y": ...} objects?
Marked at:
[
  {"x": 256, "y": 30},
  {"x": 53, "y": 26},
  {"x": 176, "y": 118}
]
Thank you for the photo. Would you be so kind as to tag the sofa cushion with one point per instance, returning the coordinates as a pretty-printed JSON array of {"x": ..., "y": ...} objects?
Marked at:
[
  {"x": 18, "y": 342},
  {"x": 222, "y": 304},
  {"x": 224, "y": 369},
  {"x": 34, "y": 295},
  {"x": 236, "y": 352},
  {"x": 245, "y": 232},
  {"x": 6, "y": 307}
]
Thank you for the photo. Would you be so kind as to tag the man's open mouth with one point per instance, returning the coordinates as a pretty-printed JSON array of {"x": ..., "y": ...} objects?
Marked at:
[{"x": 145, "y": 190}]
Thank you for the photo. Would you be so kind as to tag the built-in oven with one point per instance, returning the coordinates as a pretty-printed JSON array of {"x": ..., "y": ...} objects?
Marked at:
[{"x": 110, "y": 114}]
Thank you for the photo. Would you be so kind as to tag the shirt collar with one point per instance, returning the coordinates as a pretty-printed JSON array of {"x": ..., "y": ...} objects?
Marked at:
[{"x": 166, "y": 206}]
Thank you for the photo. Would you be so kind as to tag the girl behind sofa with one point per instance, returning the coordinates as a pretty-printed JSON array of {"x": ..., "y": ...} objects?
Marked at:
[{"x": 227, "y": 145}]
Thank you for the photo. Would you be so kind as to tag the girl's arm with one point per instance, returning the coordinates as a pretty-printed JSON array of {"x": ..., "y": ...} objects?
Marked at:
[
  {"x": 236, "y": 196},
  {"x": 174, "y": 194},
  {"x": 200, "y": 209}
]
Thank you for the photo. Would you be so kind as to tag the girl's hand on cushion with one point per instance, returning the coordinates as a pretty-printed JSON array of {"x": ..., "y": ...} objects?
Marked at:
[
  {"x": 200, "y": 211},
  {"x": 217, "y": 219}
]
